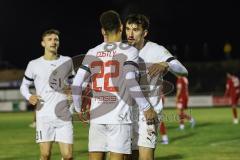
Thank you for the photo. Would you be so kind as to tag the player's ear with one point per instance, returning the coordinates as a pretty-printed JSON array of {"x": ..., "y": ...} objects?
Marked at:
[
  {"x": 43, "y": 44},
  {"x": 103, "y": 32},
  {"x": 121, "y": 28},
  {"x": 145, "y": 33}
]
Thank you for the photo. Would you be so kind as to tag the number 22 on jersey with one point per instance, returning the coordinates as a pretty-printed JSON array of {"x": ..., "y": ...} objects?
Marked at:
[{"x": 106, "y": 76}]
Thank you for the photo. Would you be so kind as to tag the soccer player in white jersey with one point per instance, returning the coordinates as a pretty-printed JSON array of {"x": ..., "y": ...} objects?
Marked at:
[
  {"x": 154, "y": 60},
  {"x": 112, "y": 67},
  {"x": 53, "y": 118}
]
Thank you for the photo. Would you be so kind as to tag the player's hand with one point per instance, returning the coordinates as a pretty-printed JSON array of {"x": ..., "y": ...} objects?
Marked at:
[
  {"x": 150, "y": 115},
  {"x": 158, "y": 68},
  {"x": 67, "y": 90},
  {"x": 33, "y": 100},
  {"x": 84, "y": 115}
]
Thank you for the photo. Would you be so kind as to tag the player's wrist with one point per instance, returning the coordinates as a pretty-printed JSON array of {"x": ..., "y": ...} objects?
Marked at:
[
  {"x": 28, "y": 96},
  {"x": 167, "y": 65},
  {"x": 147, "y": 108}
]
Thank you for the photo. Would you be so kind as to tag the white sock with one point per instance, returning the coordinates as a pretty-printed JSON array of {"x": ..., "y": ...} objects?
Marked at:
[
  {"x": 181, "y": 126},
  {"x": 191, "y": 120},
  {"x": 235, "y": 121},
  {"x": 164, "y": 137}
]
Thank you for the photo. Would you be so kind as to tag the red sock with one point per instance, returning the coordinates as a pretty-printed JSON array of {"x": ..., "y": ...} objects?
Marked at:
[
  {"x": 234, "y": 110},
  {"x": 185, "y": 116},
  {"x": 181, "y": 117},
  {"x": 163, "y": 129}
]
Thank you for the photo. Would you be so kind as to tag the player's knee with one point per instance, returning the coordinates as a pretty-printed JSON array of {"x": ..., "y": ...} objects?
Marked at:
[
  {"x": 146, "y": 157},
  {"x": 128, "y": 157},
  {"x": 67, "y": 156},
  {"x": 45, "y": 155}
]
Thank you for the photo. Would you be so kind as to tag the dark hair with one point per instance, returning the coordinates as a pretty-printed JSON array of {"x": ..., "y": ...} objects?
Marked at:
[
  {"x": 50, "y": 31},
  {"x": 138, "y": 19},
  {"x": 110, "y": 21}
]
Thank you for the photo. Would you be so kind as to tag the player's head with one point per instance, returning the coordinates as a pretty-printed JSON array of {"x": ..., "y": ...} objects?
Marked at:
[
  {"x": 137, "y": 26},
  {"x": 50, "y": 40},
  {"x": 110, "y": 23},
  {"x": 231, "y": 73}
]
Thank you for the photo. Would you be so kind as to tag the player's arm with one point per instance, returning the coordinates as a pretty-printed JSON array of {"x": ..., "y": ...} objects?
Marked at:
[
  {"x": 136, "y": 93},
  {"x": 24, "y": 88},
  {"x": 176, "y": 67},
  {"x": 158, "y": 68},
  {"x": 82, "y": 75},
  {"x": 166, "y": 63},
  {"x": 227, "y": 90},
  {"x": 130, "y": 69},
  {"x": 68, "y": 81},
  {"x": 179, "y": 88},
  {"x": 172, "y": 65}
]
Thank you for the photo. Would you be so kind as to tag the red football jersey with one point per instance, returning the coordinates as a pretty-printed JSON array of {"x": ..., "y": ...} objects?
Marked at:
[
  {"x": 182, "y": 87},
  {"x": 232, "y": 86}
]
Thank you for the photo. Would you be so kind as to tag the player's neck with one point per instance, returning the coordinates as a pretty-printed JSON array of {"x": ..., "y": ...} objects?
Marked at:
[
  {"x": 50, "y": 56},
  {"x": 141, "y": 44},
  {"x": 113, "y": 38}
]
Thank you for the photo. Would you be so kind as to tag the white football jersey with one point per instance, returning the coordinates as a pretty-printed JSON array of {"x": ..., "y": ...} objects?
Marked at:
[
  {"x": 152, "y": 53},
  {"x": 111, "y": 102},
  {"x": 48, "y": 77}
]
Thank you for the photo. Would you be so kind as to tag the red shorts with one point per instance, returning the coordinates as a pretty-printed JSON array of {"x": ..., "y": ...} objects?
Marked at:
[
  {"x": 182, "y": 103},
  {"x": 234, "y": 100}
]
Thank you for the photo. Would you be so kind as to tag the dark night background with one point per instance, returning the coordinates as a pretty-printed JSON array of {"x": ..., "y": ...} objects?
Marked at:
[{"x": 184, "y": 23}]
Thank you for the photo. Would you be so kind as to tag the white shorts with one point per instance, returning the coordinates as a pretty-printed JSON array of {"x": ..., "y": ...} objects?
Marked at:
[
  {"x": 144, "y": 135},
  {"x": 110, "y": 138},
  {"x": 54, "y": 130}
]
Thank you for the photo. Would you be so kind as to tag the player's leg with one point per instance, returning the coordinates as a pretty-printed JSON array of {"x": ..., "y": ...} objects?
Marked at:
[
  {"x": 44, "y": 136},
  {"x": 163, "y": 132},
  {"x": 66, "y": 151},
  {"x": 180, "y": 113},
  {"x": 135, "y": 152},
  {"x": 45, "y": 150},
  {"x": 185, "y": 107},
  {"x": 184, "y": 115},
  {"x": 33, "y": 124},
  {"x": 147, "y": 140},
  {"x": 97, "y": 155},
  {"x": 234, "y": 101},
  {"x": 64, "y": 137},
  {"x": 133, "y": 156},
  {"x": 97, "y": 144},
  {"x": 146, "y": 153},
  {"x": 119, "y": 140},
  {"x": 116, "y": 156},
  {"x": 235, "y": 117},
  {"x": 189, "y": 117}
]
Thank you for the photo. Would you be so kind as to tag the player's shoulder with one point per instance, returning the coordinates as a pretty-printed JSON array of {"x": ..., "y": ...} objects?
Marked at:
[
  {"x": 124, "y": 46},
  {"x": 65, "y": 58},
  {"x": 155, "y": 46},
  {"x": 35, "y": 61},
  {"x": 99, "y": 47},
  {"x": 130, "y": 51},
  {"x": 131, "y": 48}
]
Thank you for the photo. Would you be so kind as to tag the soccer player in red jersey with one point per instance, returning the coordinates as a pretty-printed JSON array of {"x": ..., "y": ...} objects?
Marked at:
[
  {"x": 232, "y": 91},
  {"x": 163, "y": 129},
  {"x": 182, "y": 101}
]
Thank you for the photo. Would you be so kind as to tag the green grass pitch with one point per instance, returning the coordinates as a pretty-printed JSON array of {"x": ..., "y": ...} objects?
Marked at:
[{"x": 215, "y": 137}]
